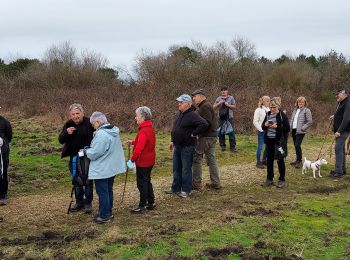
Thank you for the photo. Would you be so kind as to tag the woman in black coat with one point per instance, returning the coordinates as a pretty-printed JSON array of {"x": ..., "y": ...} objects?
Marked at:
[{"x": 276, "y": 127}]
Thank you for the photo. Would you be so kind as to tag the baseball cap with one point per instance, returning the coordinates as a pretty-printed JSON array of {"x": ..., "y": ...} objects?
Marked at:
[
  {"x": 341, "y": 91},
  {"x": 184, "y": 98}
]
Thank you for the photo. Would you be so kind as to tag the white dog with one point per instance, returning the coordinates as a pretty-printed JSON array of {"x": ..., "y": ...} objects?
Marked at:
[{"x": 315, "y": 166}]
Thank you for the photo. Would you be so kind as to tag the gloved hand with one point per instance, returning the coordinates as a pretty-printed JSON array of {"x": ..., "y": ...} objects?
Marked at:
[{"x": 130, "y": 164}]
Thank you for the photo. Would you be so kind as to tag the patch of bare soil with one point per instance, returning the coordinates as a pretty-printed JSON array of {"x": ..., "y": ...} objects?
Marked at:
[
  {"x": 328, "y": 189},
  {"x": 221, "y": 253},
  {"x": 50, "y": 238}
]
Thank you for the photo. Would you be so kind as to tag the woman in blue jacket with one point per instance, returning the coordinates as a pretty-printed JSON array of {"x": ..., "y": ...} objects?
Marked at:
[{"x": 106, "y": 161}]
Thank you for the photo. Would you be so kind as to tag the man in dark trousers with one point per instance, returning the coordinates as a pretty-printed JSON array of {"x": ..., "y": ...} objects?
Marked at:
[
  {"x": 225, "y": 104},
  {"x": 5, "y": 139},
  {"x": 341, "y": 129},
  {"x": 205, "y": 143},
  {"x": 77, "y": 133},
  {"x": 187, "y": 126}
]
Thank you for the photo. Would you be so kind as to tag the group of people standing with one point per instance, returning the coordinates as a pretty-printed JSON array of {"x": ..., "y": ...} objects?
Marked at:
[
  {"x": 273, "y": 127},
  {"x": 196, "y": 128},
  {"x": 100, "y": 142}
]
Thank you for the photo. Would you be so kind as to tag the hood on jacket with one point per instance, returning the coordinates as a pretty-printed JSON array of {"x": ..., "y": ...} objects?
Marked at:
[{"x": 109, "y": 129}]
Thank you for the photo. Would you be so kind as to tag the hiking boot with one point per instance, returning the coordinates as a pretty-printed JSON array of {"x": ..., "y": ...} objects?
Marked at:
[
  {"x": 267, "y": 183},
  {"x": 76, "y": 208},
  {"x": 338, "y": 175},
  {"x": 183, "y": 194},
  {"x": 264, "y": 163},
  {"x": 169, "y": 191},
  {"x": 100, "y": 220},
  {"x": 98, "y": 215},
  {"x": 298, "y": 164},
  {"x": 260, "y": 165},
  {"x": 3, "y": 202},
  {"x": 331, "y": 173},
  {"x": 233, "y": 150},
  {"x": 281, "y": 184},
  {"x": 151, "y": 206},
  {"x": 196, "y": 186},
  {"x": 223, "y": 149},
  {"x": 213, "y": 186},
  {"x": 138, "y": 210},
  {"x": 87, "y": 208}
]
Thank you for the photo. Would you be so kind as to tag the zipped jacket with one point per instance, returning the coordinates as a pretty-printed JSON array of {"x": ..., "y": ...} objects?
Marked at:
[
  {"x": 185, "y": 125},
  {"x": 341, "y": 119},
  {"x": 144, "y": 154}
]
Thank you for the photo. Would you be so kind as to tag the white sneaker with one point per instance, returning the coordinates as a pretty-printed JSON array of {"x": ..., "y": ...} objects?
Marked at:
[{"x": 183, "y": 194}]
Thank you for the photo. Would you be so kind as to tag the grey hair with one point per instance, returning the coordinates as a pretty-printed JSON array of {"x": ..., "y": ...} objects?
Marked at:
[
  {"x": 76, "y": 106},
  {"x": 145, "y": 112},
  {"x": 98, "y": 116}
]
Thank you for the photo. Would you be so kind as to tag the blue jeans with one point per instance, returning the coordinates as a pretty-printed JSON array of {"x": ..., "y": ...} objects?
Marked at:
[
  {"x": 340, "y": 154},
  {"x": 182, "y": 168},
  {"x": 260, "y": 147},
  {"x": 104, "y": 190}
]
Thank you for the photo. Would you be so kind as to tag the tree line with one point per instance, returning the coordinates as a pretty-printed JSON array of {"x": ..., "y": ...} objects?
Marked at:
[{"x": 63, "y": 76}]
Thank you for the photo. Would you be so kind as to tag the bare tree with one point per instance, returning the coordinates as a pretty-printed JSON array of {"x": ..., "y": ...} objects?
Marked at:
[
  {"x": 63, "y": 53},
  {"x": 244, "y": 49}
]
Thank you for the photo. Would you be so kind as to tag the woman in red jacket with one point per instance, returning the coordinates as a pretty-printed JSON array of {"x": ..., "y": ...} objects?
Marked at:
[{"x": 143, "y": 156}]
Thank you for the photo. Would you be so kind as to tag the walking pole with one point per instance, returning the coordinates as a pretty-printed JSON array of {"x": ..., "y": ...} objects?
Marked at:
[{"x": 126, "y": 173}]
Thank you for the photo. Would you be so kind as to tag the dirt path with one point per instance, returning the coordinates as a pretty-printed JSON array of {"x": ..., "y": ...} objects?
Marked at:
[{"x": 37, "y": 212}]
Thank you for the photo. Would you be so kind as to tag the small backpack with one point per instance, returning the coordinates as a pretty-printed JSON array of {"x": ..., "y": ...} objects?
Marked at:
[
  {"x": 80, "y": 170},
  {"x": 224, "y": 112}
]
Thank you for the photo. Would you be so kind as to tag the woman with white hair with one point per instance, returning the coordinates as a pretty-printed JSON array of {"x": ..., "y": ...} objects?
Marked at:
[
  {"x": 106, "y": 160},
  {"x": 143, "y": 156}
]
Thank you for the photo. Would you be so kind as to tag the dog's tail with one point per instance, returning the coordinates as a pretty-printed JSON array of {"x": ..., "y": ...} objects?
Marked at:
[{"x": 304, "y": 159}]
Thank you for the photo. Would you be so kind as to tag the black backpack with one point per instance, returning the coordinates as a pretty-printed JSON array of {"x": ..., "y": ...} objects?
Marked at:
[
  {"x": 80, "y": 170},
  {"x": 224, "y": 112}
]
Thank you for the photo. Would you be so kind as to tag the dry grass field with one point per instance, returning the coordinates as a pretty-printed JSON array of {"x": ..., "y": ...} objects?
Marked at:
[{"x": 308, "y": 219}]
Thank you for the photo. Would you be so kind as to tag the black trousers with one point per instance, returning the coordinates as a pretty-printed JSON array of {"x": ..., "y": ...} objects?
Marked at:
[
  {"x": 270, "y": 156},
  {"x": 83, "y": 194},
  {"x": 143, "y": 180},
  {"x": 297, "y": 140},
  {"x": 231, "y": 136},
  {"x": 4, "y": 178}
]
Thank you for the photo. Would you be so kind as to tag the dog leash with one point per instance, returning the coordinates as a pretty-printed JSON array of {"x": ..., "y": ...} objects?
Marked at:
[{"x": 324, "y": 140}]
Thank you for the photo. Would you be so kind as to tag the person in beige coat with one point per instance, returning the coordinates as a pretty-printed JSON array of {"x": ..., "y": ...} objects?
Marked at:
[
  {"x": 259, "y": 116},
  {"x": 300, "y": 123}
]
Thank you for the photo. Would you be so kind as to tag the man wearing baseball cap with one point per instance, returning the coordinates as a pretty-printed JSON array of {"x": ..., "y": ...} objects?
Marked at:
[
  {"x": 341, "y": 129},
  {"x": 187, "y": 126}
]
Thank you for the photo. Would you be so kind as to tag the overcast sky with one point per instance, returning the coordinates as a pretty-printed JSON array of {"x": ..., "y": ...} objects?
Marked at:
[{"x": 121, "y": 29}]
